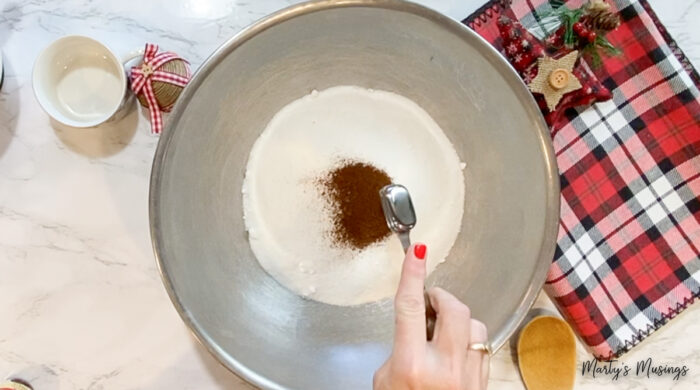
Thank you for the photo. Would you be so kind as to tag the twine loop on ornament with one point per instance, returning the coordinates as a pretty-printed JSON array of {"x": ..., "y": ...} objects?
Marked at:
[{"x": 158, "y": 82}]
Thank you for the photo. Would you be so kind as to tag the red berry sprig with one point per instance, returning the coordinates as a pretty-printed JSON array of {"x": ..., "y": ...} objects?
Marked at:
[
  {"x": 583, "y": 29},
  {"x": 591, "y": 37},
  {"x": 580, "y": 29},
  {"x": 584, "y": 33}
]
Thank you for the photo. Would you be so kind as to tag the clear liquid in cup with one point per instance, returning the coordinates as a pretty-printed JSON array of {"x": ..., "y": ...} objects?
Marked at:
[{"x": 89, "y": 88}]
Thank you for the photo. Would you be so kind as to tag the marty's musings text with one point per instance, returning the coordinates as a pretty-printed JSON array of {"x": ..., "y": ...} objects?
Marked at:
[{"x": 647, "y": 368}]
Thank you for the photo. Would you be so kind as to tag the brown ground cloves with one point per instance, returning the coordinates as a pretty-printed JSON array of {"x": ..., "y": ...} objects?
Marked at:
[{"x": 352, "y": 191}]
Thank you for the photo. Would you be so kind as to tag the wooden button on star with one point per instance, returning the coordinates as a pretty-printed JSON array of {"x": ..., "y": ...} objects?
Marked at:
[{"x": 559, "y": 78}]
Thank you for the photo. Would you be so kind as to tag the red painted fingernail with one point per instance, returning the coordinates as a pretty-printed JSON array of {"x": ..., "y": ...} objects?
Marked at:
[{"x": 419, "y": 251}]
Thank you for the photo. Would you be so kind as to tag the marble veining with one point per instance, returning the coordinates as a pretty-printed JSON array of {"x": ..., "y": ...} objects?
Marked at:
[{"x": 81, "y": 299}]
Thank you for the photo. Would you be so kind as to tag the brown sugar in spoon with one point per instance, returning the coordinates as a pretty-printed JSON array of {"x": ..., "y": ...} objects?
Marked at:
[{"x": 547, "y": 354}]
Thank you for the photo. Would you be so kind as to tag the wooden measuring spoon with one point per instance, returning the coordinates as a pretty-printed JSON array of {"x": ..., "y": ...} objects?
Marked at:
[{"x": 547, "y": 354}]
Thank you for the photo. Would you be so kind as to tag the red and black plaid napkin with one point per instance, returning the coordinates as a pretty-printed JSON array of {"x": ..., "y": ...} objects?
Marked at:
[{"x": 628, "y": 251}]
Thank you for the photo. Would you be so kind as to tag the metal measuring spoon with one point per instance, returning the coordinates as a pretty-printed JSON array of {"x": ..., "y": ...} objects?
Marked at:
[
  {"x": 401, "y": 218},
  {"x": 399, "y": 212}
]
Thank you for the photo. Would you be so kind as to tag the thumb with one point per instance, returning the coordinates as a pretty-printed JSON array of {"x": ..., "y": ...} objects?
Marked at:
[{"x": 409, "y": 304}]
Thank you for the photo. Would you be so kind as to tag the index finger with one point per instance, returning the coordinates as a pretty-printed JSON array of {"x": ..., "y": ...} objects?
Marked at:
[{"x": 409, "y": 305}]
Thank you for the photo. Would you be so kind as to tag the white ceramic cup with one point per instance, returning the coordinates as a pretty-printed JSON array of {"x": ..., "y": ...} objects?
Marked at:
[{"x": 80, "y": 82}]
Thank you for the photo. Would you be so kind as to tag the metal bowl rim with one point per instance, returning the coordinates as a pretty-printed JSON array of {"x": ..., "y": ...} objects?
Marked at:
[{"x": 547, "y": 246}]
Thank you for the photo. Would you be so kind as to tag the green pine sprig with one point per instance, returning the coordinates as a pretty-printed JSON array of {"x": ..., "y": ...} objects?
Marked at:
[
  {"x": 603, "y": 42},
  {"x": 560, "y": 15},
  {"x": 594, "y": 54},
  {"x": 569, "y": 17}
]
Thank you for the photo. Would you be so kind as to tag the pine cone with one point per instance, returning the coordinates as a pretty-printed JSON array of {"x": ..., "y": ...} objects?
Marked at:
[
  {"x": 598, "y": 17},
  {"x": 603, "y": 20}
]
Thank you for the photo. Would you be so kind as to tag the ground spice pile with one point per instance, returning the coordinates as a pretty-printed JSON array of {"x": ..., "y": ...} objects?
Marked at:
[{"x": 352, "y": 191}]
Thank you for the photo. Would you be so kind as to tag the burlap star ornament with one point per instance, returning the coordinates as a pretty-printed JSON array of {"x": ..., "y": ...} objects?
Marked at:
[{"x": 555, "y": 78}]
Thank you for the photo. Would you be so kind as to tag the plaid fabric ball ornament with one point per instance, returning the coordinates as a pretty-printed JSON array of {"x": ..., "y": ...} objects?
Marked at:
[{"x": 523, "y": 51}]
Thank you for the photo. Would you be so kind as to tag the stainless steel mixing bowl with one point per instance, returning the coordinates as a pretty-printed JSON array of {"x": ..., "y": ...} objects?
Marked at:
[{"x": 253, "y": 325}]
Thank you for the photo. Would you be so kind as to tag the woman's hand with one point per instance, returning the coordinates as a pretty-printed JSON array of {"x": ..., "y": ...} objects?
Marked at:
[{"x": 445, "y": 362}]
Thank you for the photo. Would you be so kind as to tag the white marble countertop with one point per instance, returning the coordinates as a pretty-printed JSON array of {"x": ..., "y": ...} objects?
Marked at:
[{"x": 81, "y": 302}]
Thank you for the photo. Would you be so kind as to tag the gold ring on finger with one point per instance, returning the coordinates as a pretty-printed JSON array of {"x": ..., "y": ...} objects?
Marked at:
[{"x": 480, "y": 347}]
